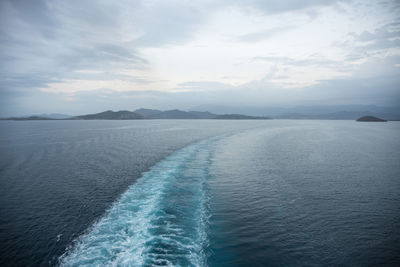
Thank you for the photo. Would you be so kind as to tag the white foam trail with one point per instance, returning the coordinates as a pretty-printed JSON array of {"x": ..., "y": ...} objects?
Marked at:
[{"x": 160, "y": 220}]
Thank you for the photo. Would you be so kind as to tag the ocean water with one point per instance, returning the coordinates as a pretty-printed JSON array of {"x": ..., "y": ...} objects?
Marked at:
[{"x": 199, "y": 193}]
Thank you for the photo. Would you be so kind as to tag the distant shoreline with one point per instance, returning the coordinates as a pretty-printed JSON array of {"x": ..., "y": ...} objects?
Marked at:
[
  {"x": 147, "y": 114},
  {"x": 72, "y": 119},
  {"x": 151, "y": 114}
]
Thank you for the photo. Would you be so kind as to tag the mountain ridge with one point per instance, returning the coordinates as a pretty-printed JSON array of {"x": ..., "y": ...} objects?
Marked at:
[
  {"x": 158, "y": 114},
  {"x": 148, "y": 114},
  {"x": 111, "y": 115},
  {"x": 307, "y": 112}
]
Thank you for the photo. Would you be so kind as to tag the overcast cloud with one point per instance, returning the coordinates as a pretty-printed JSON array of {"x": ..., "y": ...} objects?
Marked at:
[{"x": 86, "y": 56}]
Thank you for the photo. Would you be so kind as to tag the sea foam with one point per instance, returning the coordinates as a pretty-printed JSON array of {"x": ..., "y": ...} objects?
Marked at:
[{"x": 160, "y": 220}]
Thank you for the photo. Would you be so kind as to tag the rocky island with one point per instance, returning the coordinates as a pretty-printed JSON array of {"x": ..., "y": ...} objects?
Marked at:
[{"x": 370, "y": 119}]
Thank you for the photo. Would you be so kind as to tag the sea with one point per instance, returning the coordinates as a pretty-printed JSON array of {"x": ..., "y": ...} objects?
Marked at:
[{"x": 199, "y": 193}]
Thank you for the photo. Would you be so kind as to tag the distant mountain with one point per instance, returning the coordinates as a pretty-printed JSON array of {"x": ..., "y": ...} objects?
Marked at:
[
  {"x": 336, "y": 112},
  {"x": 39, "y": 117},
  {"x": 351, "y": 112},
  {"x": 30, "y": 118},
  {"x": 148, "y": 114},
  {"x": 202, "y": 114},
  {"x": 56, "y": 116},
  {"x": 370, "y": 119},
  {"x": 239, "y": 117},
  {"x": 158, "y": 114},
  {"x": 145, "y": 112},
  {"x": 171, "y": 114},
  {"x": 179, "y": 114},
  {"x": 111, "y": 115}
]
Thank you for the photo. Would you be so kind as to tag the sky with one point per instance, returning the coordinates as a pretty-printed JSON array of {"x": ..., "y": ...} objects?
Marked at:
[{"x": 76, "y": 57}]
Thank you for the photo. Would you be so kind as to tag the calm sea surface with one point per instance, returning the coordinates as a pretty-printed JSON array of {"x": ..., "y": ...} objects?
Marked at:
[{"x": 199, "y": 193}]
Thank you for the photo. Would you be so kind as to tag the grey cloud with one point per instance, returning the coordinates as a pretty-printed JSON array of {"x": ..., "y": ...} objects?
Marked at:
[
  {"x": 263, "y": 35},
  {"x": 105, "y": 75},
  {"x": 321, "y": 62},
  {"x": 173, "y": 22},
  {"x": 378, "y": 91},
  {"x": 202, "y": 86},
  {"x": 100, "y": 14},
  {"x": 169, "y": 23},
  {"x": 51, "y": 41},
  {"x": 381, "y": 33},
  {"x": 278, "y": 6},
  {"x": 387, "y": 36},
  {"x": 376, "y": 82},
  {"x": 20, "y": 83},
  {"x": 20, "y": 12},
  {"x": 48, "y": 41}
]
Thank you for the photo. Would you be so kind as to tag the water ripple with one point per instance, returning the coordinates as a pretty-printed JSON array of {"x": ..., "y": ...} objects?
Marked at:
[{"x": 160, "y": 220}]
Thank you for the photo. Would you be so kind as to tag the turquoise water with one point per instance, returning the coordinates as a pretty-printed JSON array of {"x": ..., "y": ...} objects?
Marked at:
[
  {"x": 162, "y": 219},
  {"x": 200, "y": 193}
]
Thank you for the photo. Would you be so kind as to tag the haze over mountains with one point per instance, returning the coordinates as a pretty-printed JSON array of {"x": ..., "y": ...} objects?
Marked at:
[
  {"x": 146, "y": 114},
  {"x": 348, "y": 112},
  {"x": 333, "y": 112},
  {"x": 158, "y": 114},
  {"x": 111, "y": 115}
]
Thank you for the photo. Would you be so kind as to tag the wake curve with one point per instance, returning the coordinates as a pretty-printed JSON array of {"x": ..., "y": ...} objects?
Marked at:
[{"x": 160, "y": 220}]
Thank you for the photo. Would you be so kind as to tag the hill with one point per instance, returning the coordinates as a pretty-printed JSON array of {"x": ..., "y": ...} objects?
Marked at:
[
  {"x": 149, "y": 114},
  {"x": 158, "y": 114},
  {"x": 370, "y": 119},
  {"x": 179, "y": 114},
  {"x": 111, "y": 115},
  {"x": 30, "y": 118},
  {"x": 55, "y": 116},
  {"x": 145, "y": 112}
]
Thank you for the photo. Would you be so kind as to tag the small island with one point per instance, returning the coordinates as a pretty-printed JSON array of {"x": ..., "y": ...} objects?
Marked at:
[{"x": 370, "y": 119}]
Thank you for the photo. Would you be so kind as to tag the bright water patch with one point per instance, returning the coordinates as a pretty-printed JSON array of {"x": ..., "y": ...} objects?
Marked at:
[{"x": 160, "y": 220}]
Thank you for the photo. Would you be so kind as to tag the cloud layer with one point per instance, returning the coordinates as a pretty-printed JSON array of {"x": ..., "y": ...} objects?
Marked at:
[{"x": 85, "y": 56}]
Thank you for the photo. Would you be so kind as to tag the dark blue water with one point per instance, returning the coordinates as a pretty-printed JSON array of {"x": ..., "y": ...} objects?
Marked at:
[{"x": 198, "y": 193}]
